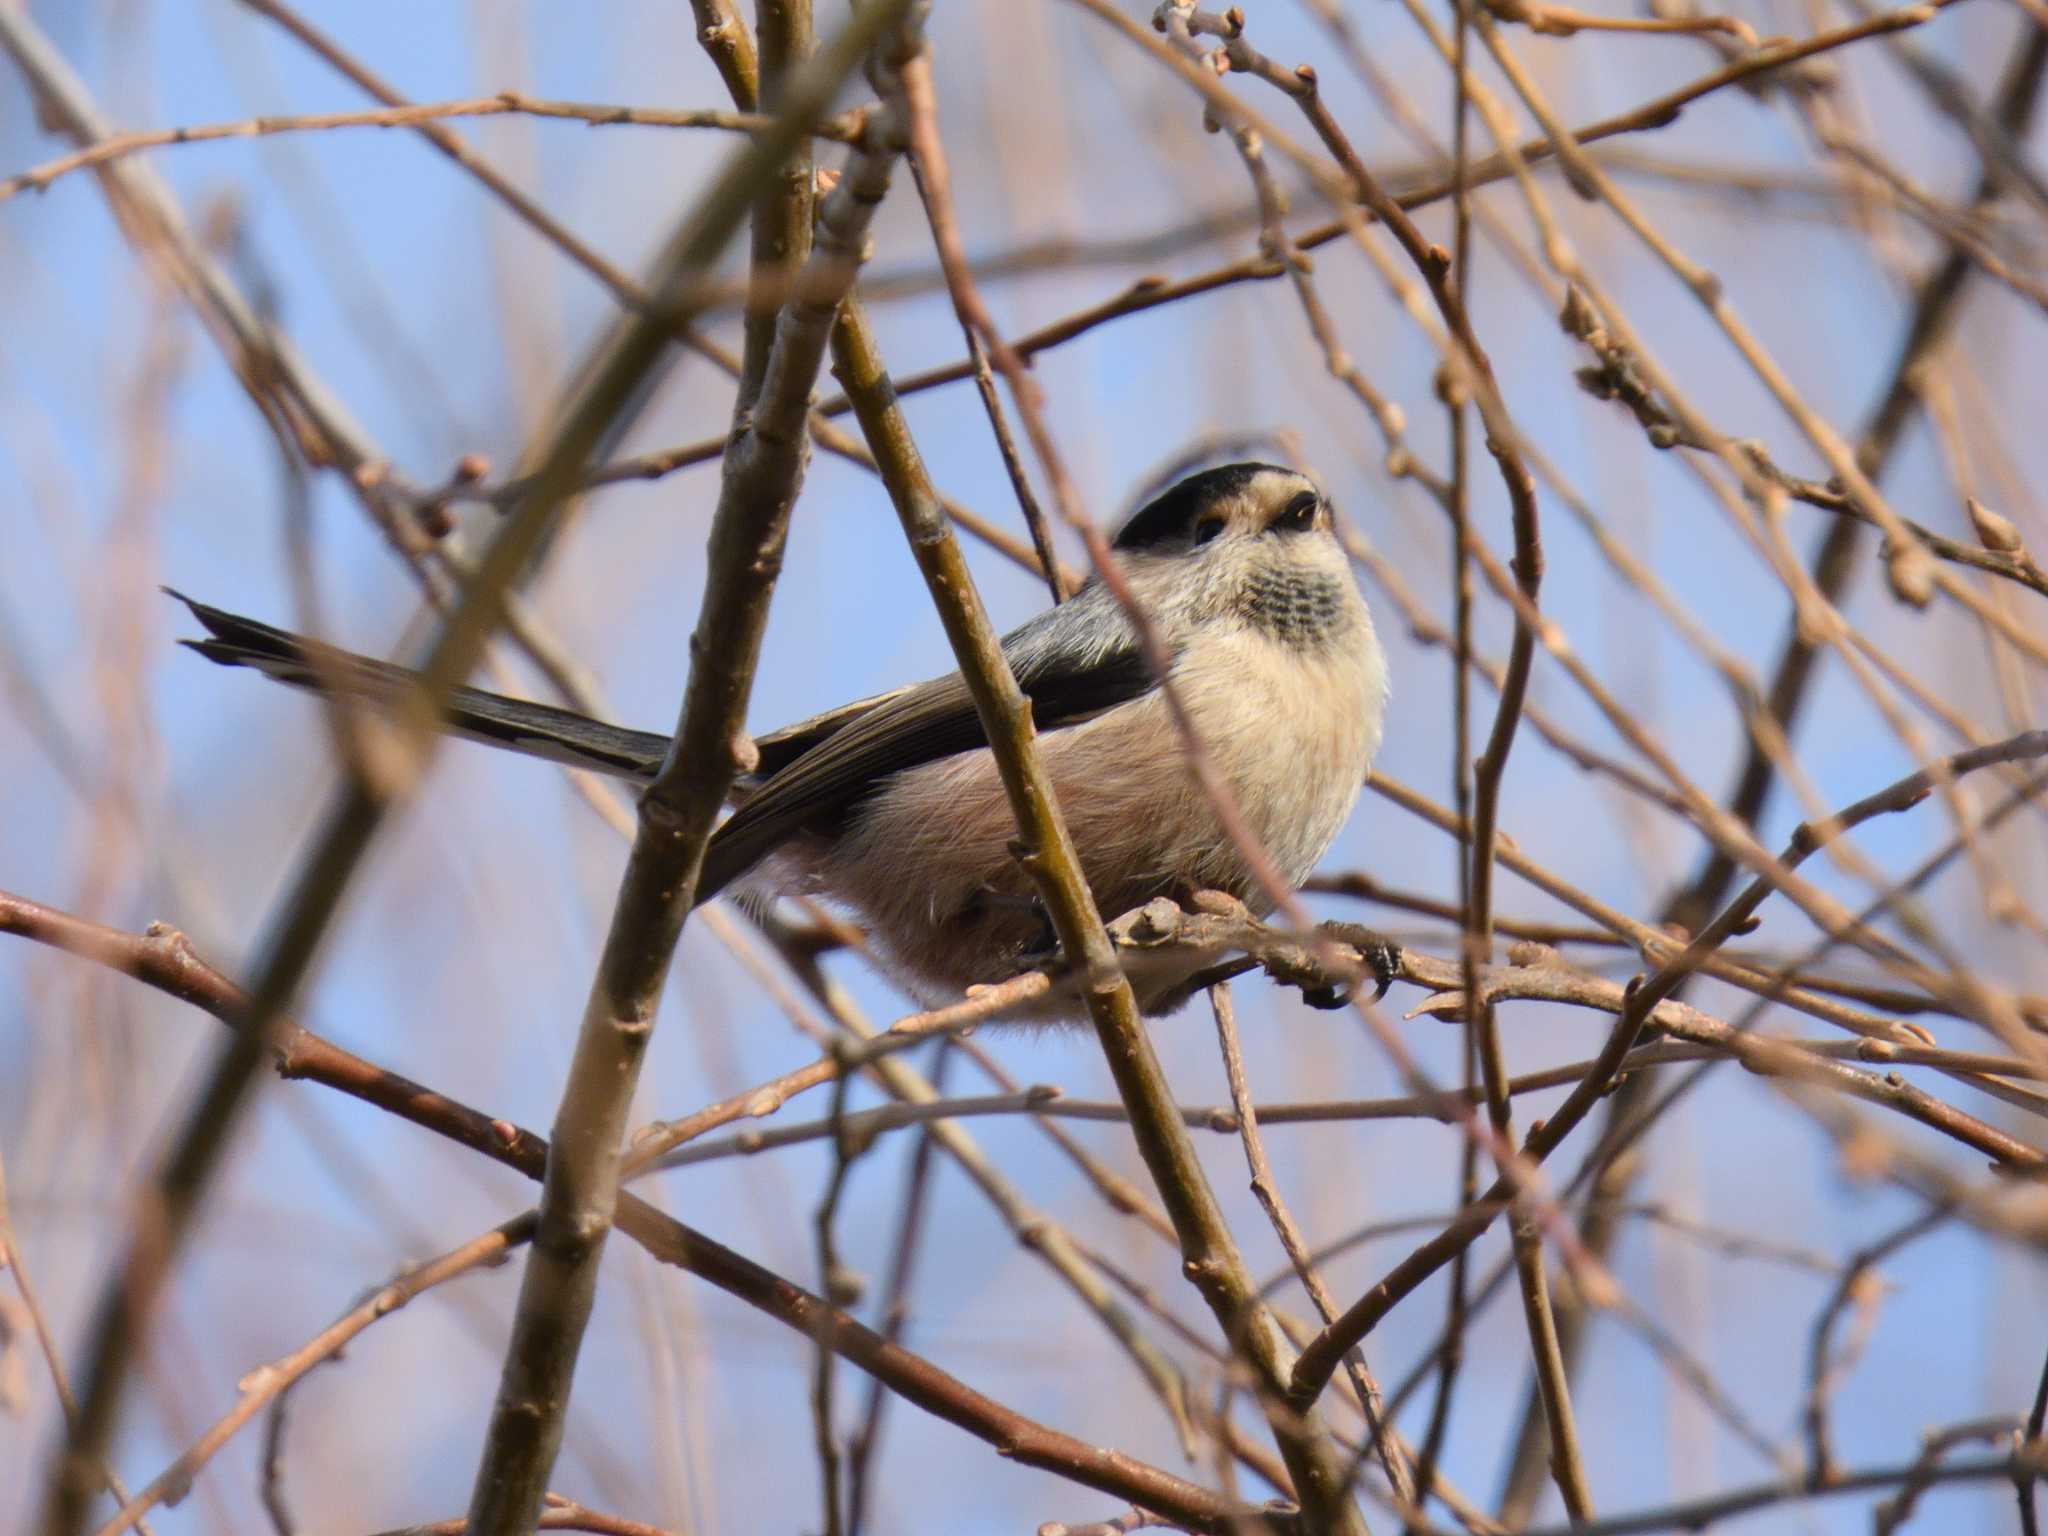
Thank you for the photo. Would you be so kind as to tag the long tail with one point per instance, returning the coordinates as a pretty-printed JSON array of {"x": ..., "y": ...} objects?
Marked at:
[{"x": 559, "y": 735}]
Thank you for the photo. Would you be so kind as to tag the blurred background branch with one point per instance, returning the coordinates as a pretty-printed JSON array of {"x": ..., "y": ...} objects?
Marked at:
[{"x": 1752, "y": 280}]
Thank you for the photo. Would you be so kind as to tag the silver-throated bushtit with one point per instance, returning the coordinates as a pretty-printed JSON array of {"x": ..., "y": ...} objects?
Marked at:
[{"x": 893, "y": 806}]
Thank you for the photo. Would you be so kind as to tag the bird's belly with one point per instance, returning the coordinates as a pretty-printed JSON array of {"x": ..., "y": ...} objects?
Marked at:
[{"x": 1290, "y": 736}]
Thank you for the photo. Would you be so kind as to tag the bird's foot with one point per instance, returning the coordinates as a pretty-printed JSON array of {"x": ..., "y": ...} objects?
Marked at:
[
  {"x": 1381, "y": 954},
  {"x": 1043, "y": 944}
]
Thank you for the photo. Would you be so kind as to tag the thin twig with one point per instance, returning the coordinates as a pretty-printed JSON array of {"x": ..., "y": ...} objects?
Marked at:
[
  {"x": 1860, "y": 1287},
  {"x": 915, "y": 1206},
  {"x": 266, "y": 1383},
  {"x": 844, "y": 128},
  {"x": 1399, "y": 1476},
  {"x": 46, "y": 1344},
  {"x": 1212, "y": 1260},
  {"x": 1313, "y": 1371},
  {"x": 164, "y": 960},
  {"x": 676, "y": 815}
]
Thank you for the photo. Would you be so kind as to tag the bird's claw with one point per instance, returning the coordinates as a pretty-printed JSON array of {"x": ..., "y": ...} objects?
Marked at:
[
  {"x": 1044, "y": 945},
  {"x": 1385, "y": 959},
  {"x": 1381, "y": 955}
]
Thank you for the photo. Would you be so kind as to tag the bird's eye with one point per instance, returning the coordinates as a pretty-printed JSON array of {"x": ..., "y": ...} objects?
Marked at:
[
  {"x": 1300, "y": 515},
  {"x": 1207, "y": 529}
]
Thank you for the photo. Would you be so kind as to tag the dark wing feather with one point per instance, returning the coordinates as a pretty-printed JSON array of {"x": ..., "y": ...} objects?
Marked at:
[
  {"x": 905, "y": 730},
  {"x": 780, "y": 748}
]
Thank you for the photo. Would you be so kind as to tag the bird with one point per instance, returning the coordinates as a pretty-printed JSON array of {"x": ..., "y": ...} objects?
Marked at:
[{"x": 892, "y": 806}]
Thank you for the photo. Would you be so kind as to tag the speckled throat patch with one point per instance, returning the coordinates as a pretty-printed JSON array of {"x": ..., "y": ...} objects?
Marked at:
[{"x": 1298, "y": 607}]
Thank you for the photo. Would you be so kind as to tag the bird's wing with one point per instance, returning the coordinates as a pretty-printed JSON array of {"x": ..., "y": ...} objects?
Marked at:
[
  {"x": 904, "y": 730},
  {"x": 780, "y": 748}
]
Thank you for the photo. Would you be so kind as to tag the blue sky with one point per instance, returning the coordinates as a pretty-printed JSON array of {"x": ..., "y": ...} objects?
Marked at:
[{"x": 463, "y": 959}]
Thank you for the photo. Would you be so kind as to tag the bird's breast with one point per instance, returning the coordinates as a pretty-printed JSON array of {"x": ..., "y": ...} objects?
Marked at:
[{"x": 1292, "y": 729}]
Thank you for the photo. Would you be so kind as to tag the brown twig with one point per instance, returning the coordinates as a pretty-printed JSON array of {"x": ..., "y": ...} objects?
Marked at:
[
  {"x": 267, "y": 1383},
  {"x": 1473, "y": 374},
  {"x": 164, "y": 960},
  {"x": 1564, "y": 21},
  {"x": 1035, "y": 1231},
  {"x": 1893, "y": 1513},
  {"x": 844, "y": 128},
  {"x": 1399, "y": 1478},
  {"x": 915, "y": 1207},
  {"x": 1860, "y": 1287},
  {"x": 1458, "y": 506},
  {"x": 1933, "y": 307},
  {"x": 1211, "y": 1258},
  {"x": 2023, "y": 1484},
  {"x": 837, "y": 1286},
  {"x": 1317, "y": 1362},
  {"x": 449, "y": 143},
  {"x": 31, "y": 1305},
  {"x": 1704, "y": 1513},
  {"x": 1290, "y": 960},
  {"x": 357, "y": 810},
  {"x": 676, "y": 815},
  {"x": 557, "y": 1514},
  {"x": 1155, "y": 291}
]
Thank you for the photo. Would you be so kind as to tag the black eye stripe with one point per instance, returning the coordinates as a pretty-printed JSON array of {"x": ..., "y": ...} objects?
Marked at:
[{"x": 1205, "y": 531}]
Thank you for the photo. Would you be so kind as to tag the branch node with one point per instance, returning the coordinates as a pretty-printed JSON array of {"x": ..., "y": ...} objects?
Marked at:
[{"x": 1993, "y": 531}]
